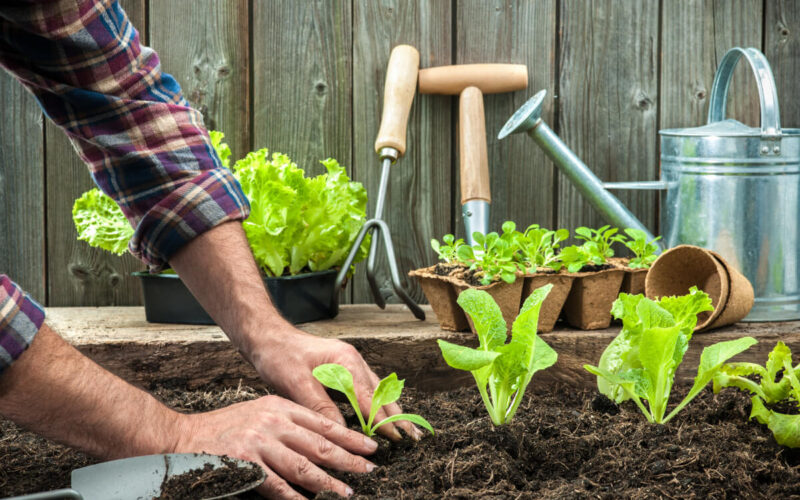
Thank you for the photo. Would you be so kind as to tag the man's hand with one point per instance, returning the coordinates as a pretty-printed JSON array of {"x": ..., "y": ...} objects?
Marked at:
[
  {"x": 289, "y": 441},
  {"x": 219, "y": 269},
  {"x": 286, "y": 364}
]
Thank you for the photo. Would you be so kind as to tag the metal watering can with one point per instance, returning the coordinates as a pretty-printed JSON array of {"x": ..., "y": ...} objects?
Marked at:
[{"x": 728, "y": 187}]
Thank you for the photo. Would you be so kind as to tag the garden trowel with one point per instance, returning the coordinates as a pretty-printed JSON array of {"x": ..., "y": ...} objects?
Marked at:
[{"x": 139, "y": 478}]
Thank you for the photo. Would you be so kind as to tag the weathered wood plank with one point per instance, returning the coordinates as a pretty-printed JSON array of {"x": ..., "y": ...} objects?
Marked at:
[
  {"x": 782, "y": 49},
  {"x": 76, "y": 273},
  {"x": 22, "y": 230},
  {"x": 418, "y": 205},
  {"x": 695, "y": 35},
  {"x": 607, "y": 101},
  {"x": 302, "y": 80},
  {"x": 207, "y": 53},
  {"x": 392, "y": 340},
  {"x": 512, "y": 32}
]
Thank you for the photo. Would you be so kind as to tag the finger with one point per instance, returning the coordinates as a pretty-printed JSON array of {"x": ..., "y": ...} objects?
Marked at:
[
  {"x": 333, "y": 432},
  {"x": 316, "y": 399},
  {"x": 274, "y": 487},
  {"x": 321, "y": 451},
  {"x": 301, "y": 471}
]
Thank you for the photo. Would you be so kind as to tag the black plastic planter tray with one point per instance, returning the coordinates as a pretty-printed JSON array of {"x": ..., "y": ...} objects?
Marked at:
[{"x": 300, "y": 299}]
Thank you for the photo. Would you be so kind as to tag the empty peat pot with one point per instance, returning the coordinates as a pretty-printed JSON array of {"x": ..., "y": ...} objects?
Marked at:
[
  {"x": 680, "y": 268},
  {"x": 299, "y": 299}
]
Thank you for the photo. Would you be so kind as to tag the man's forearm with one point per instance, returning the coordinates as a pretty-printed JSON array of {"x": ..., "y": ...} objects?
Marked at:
[
  {"x": 55, "y": 391},
  {"x": 219, "y": 269}
]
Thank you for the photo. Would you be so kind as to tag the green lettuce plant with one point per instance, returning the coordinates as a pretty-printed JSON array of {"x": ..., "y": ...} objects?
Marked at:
[
  {"x": 339, "y": 378},
  {"x": 641, "y": 362},
  {"x": 300, "y": 223},
  {"x": 101, "y": 223},
  {"x": 574, "y": 258},
  {"x": 448, "y": 249},
  {"x": 493, "y": 256},
  {"x": 644, "y": 251},
  {"x": 777, "y": 381},
  {"x": 501, "y": 370},
  {"x": 598, "y": 242},
  {"x": 539, "y": 246}
]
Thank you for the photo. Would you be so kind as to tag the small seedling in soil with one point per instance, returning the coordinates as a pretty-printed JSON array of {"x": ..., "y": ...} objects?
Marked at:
[
  {"x": 769, "y": 390},
  {"x": 492, "y": 256},
  {"x": 538, "y": 247},
  {"x": 640, "y": 363},
  {"x": 644, "y": 251},
  {"x": 448, "y": 249},
  {"x": 574, "y": 258},
  {"x": 598, "y": 242},
  {"x": 502, "y": 370},
  {"x": 339, "y": 378}
]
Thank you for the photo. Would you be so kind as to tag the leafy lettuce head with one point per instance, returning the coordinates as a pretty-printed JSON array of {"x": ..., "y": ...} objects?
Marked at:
[
  {"x": 300, "y": 223},
  {"x": 100, "y": 222}
]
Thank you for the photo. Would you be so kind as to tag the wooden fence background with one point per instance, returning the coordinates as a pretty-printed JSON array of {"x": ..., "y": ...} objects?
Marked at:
[{"x": 305, "y": 77}]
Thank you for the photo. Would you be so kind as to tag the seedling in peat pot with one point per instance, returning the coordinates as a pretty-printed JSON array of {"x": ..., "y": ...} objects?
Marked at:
[
  {"x": 502, "y": 370},
  {"x": 598, "y": 242},
  {"x": 339, "y": 378},
  {"x": 574, "y": 258},
  {"x": 448, "y": 249},
  {"x": 644, "y": 251},
  {"x": 640, "y": 363},
  {"x": 768, "y": 391},
  {"x": 493, "y": 256},
  {"x": 538, "y": 247}
]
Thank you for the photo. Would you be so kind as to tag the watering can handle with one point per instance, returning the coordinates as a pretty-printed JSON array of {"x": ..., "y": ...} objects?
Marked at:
[{"x": 767, "y": 92}]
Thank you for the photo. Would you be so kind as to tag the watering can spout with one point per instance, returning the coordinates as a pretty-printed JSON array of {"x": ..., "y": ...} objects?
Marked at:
[{"x": 528, "y": 119}]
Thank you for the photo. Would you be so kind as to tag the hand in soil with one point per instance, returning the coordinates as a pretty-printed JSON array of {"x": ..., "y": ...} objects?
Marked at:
[
  {"x": 287, "y": 365},
  {"x": 290, "y": 442}
]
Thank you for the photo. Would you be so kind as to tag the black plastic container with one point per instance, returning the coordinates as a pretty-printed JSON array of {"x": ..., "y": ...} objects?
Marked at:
[{"x": 300, "y": 299}]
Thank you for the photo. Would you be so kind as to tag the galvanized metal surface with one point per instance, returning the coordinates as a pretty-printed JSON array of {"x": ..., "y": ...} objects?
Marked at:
[{"x": 476, "y": 218}]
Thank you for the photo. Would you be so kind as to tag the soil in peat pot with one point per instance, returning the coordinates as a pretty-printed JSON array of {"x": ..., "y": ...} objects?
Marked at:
[{"x": 563, "y": 443}]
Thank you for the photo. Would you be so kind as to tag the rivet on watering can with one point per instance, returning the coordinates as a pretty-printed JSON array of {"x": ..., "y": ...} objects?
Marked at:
[
  {"x": 764, "y": 150},
  {"x": 776, "y": 149}
]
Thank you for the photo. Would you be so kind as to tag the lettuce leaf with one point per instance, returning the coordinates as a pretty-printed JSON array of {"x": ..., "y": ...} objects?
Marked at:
[
  {"x": 101, "y": 223},
  {"x": 300, "y": 223}
]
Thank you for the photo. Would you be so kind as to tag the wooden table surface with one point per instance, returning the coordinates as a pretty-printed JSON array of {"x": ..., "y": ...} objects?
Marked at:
[{"x": 390, "y": 340}]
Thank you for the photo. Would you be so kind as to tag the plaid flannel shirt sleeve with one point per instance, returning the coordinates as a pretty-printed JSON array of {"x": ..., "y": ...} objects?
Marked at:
[
  {"x": 20, "y": 319},
  {"x": 144, "y": 145}
]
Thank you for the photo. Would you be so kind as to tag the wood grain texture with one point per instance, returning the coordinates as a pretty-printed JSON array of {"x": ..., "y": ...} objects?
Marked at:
[
  {"x": 523, "y": 32},
  {"x": 22, "y": 229},
  {"x": 207, "y": 53},
  {"x": 76, "y": 273},
  {"x": 120, "y": 339},
  {"x": 472, "y": 154},
  {"x": 695, "y": 35},
  {"x": 608, "y": 96},
  {"x": 782, "y": 48},
  {"x": 419, "y": 204},
  {"x": 302, "y": 80}
]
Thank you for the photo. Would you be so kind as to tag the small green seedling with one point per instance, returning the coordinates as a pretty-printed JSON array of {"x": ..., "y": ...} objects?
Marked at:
[
  {"x": 493, "y": 255},
  {"x": 641, "y": 362},
  {"x": 769, "y": 390},
  {"x": 644, "y": 251},
  {"x": 598, "y": 242},
  {"x": 538, "y": 247},
  {"x": 339, "y": 378},
  {"x": 574, "y": 258},
  {"x": 502, "y": 370},
  {"x": 448, "y": 249}
]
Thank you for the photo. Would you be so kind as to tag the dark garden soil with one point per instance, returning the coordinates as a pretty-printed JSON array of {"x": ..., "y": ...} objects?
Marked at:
[
  {"x": 593, "y": 268},
  {"x": 208, "y": 481},
  {"x": 562, "y": 444},
  {"x": 471, "y": 276}
]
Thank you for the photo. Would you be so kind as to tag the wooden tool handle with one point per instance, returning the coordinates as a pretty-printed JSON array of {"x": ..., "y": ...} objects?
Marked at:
[
  {"x": 472, "y": 147},
  {"x": 398, "y": 94},
  {"x": 489, "y": 78}
]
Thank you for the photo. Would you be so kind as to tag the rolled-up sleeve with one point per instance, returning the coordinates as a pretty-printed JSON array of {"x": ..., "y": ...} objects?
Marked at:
[
  {"x": 144, "y": 145},
  {"x": 20, "y": 318}
]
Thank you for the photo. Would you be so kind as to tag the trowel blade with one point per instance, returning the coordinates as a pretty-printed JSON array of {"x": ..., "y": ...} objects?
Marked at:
[{"x": 141, "y": 477}]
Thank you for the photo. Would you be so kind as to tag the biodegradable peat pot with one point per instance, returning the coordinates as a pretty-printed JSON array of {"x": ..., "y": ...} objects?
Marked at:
[
  {"x": 442, "y": 297},
  {"x": 588, "y": 305},
  {"x": 554, "y": 303},
  {"x": 633, "y": 282},
  {"x": 507, "y": 296},
  {"x": 299, "y": 299},
  {"x": 682, "y": 267}
]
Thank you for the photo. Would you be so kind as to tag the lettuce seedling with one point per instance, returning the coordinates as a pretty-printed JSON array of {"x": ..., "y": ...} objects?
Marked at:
[
  {"x": 493, "y": 255},
  {"x": 339, "y": 378},
  {"x": 538, "y": 247},
  {"x": 502, "y": 370},
  {"x": 640, "y": 363},
  {"x": 644, "y": 251},
  {"x": 448, "y": 249},
  {"x": 598, "y": 242},
  {"x": 768, "y": 390},
  {"x": 574, "y": 258}
]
